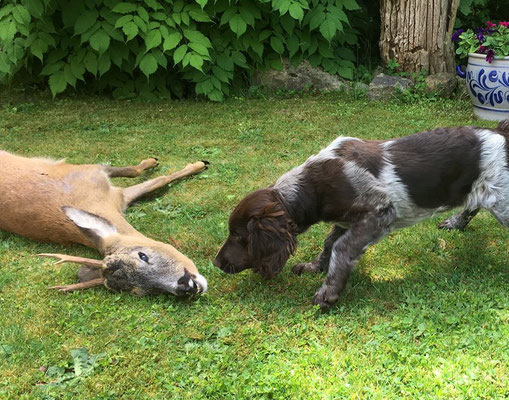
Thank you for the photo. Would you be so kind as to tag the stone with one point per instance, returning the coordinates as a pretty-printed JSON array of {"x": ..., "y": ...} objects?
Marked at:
[
  {"x": 384, "y": 87},
  {"x": 302, "y": 77},
  {"x": 443, "y": 83}
]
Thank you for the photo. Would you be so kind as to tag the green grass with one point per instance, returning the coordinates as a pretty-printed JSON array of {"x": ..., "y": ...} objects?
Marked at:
[{"x": 425, "y": 315}]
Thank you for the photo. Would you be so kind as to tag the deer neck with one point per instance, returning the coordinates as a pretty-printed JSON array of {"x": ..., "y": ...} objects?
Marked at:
[{"x": 126, "y": 236}]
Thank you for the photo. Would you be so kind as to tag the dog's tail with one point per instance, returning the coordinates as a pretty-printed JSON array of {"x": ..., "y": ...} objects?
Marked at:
[{"x": 503, "y": 125}]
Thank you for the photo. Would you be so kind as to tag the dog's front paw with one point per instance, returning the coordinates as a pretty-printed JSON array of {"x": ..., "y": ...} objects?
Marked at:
[
  {"x": 326, "y": 297},
  {"x": 452, "y": 223},
  {"x": 305, "y": 267}
]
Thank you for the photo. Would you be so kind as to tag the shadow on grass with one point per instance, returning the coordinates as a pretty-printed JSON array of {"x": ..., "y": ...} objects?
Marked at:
[{"x": 469, "y": 267}]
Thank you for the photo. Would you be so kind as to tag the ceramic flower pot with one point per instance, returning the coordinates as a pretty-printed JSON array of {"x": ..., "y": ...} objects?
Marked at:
[{"x": 488, "y": 86}]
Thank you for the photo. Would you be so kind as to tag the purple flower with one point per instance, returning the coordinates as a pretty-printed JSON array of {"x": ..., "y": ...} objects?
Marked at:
[
  {"x": 456, "y": 35},
  {"x": 489, "y": 56},
  {"x": 480, "y": 37},
  {"x": 482, "y": 50}
]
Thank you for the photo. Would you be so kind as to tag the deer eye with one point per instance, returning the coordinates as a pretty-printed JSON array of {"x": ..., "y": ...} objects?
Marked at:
[{"x": 143, "y": 256}]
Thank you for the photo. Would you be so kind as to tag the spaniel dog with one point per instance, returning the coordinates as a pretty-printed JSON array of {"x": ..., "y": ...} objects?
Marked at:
[{"x": 368, "y": 188}]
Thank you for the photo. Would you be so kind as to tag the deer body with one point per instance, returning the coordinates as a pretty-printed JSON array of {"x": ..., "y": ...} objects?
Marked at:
[{"x": 47, "y": 200}]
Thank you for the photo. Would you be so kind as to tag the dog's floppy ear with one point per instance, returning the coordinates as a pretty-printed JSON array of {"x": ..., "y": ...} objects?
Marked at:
[{"x": 271, "y": 240}]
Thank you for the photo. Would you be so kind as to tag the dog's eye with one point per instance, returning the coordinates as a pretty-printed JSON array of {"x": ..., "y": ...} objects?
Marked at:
[{"x": 143, "y": 256}]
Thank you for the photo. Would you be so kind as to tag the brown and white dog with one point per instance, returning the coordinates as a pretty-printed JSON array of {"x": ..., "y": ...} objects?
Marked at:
[{"x": 368, "y": 188}]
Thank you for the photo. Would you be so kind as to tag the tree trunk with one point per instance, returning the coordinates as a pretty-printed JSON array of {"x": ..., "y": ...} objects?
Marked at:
[{"x": 417, "y": 34}]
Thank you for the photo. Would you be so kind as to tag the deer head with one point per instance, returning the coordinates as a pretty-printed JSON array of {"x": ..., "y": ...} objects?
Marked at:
[{"x": 132, "y": 262}]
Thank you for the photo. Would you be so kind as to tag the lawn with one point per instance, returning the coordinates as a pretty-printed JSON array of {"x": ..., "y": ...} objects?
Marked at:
[{"x": 425, "y": 315}]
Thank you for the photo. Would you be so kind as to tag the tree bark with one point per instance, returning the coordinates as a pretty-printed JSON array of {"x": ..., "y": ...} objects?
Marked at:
[{"x": 417, "y": 34}]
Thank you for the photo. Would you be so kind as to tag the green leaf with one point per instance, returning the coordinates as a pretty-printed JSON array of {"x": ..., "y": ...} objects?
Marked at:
[
  {"x": 225, "y": 62},
  {"x": 247, "y": 16},
  {"x": 316, "y": 20},
  {"x": 197, "y": 37},
  {"x": 69, "y": 76},
  {"x": 103, "y": 64},
  {"x": 180, "y": 53},
  {"x": 172, "y": 41},
  {"x": 51, "y": 68},
  {"x": 237, "y": 24},
  {"x": 153, "y": 4},
  {"x": 227, "y": 15},
  {"x": 21, "y": 15},
  {"x": 329, "y": 27},
  {"x": 143, "y": 14},
  {"x": 351, "y": 5},
  {"x": 277, "y": 64},
  {"x": 123, "y": 20},
  {"x": 35, "y": 7},
  {"x": 5, "y": 64},
  {"x": 85, "y": 21},
  {"x": 257, "y": 48},
  {"x": 220, "y": 74},
  {"x": 196, "y": 61},
  {"x": 38, "y": 48},
  {"x": 90, "y": 62},
  {"x": 202, "y": 3},
  {"x": 100, "y": 41},
  {"x": 199, "y": 15},
  {"x": 112, "y": 32},
  {"x": 57, "y": 83},
  {"x": 130, "y": 29},
  {"x": 216, "y": 95},
  {"x": 199, "y": 48},
  {"x": 345, "y": 72},
  {"x": 287, "y": 23},
  {"x": 296, "y": 11},
  {"x": 153, "y": 39},
  {"x": 204, "y": 87},
  {"x": 277, "y": 45},
  {"x": 284, "y": 5},
  {"x": 77, "y": 67},
  {"x": 124, "y": 8},
  {"x": 293, "y": 45},
  {"x": 141, "y": 23},
  {"x": 239, "y": 59}
]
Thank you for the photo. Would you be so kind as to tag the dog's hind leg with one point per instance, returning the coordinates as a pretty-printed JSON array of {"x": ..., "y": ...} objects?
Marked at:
[
  {"x": 459, "y": 221},
  {"x": 347, "y": 250},
  {"x": 321, "y": 262}
]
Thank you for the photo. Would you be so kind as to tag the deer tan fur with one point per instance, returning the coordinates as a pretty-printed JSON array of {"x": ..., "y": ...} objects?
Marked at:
[{"x": 53, "y": 201}]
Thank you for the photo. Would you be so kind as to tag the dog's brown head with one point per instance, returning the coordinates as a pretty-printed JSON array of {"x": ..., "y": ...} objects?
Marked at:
[{"x": 262, "y": 236}]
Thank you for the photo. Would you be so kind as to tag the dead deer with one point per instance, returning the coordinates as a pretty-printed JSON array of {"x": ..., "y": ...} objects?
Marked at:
[{"x": 53, "y": 201}]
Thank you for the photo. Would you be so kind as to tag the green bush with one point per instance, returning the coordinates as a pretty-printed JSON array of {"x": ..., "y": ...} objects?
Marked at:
[
  {"x": 156, "y": 47},
  {"x": 474, "y": 13}
]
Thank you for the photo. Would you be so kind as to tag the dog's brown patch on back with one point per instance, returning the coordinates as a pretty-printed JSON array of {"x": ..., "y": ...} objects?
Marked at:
[
  {"x": 438, "y": 167},
  {"x": 366, "y": 154}
]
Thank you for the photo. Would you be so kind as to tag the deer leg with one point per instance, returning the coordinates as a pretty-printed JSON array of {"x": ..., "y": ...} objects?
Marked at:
[
  {"x": 79, "y": 286},
  {"x": 131, "y": 171},
  {"x": 132, "y": 193}
]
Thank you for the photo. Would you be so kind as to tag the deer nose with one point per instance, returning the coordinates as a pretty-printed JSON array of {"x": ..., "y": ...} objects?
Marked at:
[{"x": 191, "y": 284}]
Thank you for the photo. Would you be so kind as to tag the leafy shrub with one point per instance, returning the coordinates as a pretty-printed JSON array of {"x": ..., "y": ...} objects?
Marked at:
[
  {"x": 477, "y": 12},
  {"x": 167, "y": 47}
]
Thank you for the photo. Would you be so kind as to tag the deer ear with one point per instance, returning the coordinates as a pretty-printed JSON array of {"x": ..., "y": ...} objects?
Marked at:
[{"x": 96, "y": 228}]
